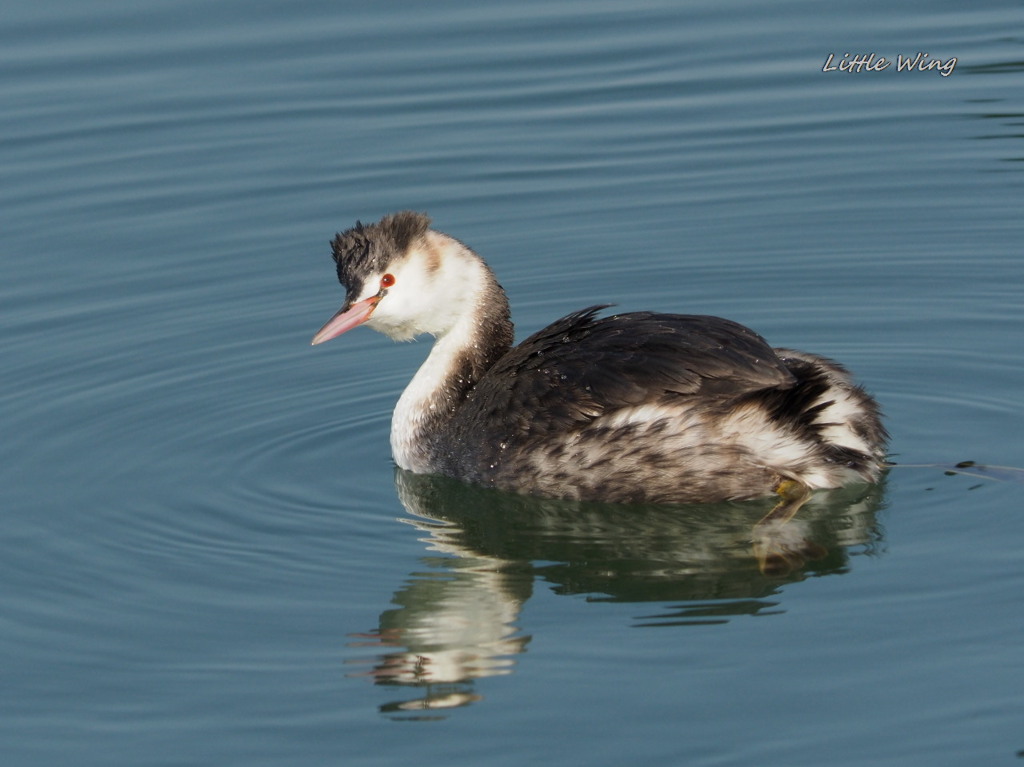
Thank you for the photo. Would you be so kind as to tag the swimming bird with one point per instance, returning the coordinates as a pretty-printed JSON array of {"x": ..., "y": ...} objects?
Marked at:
[{"x": 639, "y": 407}]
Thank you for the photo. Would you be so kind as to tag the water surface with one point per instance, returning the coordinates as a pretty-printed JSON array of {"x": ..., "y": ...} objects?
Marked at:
[{"x": 208, "y": 557}]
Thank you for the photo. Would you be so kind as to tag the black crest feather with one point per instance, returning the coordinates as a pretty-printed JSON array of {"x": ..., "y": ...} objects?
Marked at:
[{"x": 367, "y": 248}]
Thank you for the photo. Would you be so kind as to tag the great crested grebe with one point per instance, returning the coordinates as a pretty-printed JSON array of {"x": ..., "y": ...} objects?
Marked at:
[{"x": 638, "y": 407}]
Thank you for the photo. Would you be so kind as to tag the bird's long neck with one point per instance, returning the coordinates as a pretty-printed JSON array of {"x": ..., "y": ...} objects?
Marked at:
[{"x": 460, "y": 357}]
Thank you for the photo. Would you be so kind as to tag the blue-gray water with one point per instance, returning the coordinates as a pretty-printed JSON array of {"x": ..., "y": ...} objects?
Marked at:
[{"x": 206, "y": 557}]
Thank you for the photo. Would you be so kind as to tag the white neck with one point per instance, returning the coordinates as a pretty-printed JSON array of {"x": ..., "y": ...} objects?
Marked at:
[
  {"x": 427, "y": 399},
  {"x": 463, "y": 352}
]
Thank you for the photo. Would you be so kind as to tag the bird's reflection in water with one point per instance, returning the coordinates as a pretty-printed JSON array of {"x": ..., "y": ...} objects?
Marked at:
[{"x": 456, "y": 621}]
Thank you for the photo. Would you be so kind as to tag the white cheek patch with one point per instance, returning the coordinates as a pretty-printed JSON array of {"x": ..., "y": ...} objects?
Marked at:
[{"x": 430, "y": 295}]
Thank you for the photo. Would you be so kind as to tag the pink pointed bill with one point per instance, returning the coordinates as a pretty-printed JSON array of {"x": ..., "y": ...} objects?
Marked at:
[{"x": 346, "y": 319}]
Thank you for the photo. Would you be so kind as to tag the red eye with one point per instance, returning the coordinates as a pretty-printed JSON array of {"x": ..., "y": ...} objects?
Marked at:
[{"x": 387, "y": 280}]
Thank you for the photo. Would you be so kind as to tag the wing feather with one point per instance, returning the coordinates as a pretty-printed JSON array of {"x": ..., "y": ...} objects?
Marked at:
[{"x": 583, "y": 366}]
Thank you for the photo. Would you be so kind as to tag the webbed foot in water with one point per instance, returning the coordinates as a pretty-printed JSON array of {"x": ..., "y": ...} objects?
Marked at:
[{"x": 779, "y": 544}]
